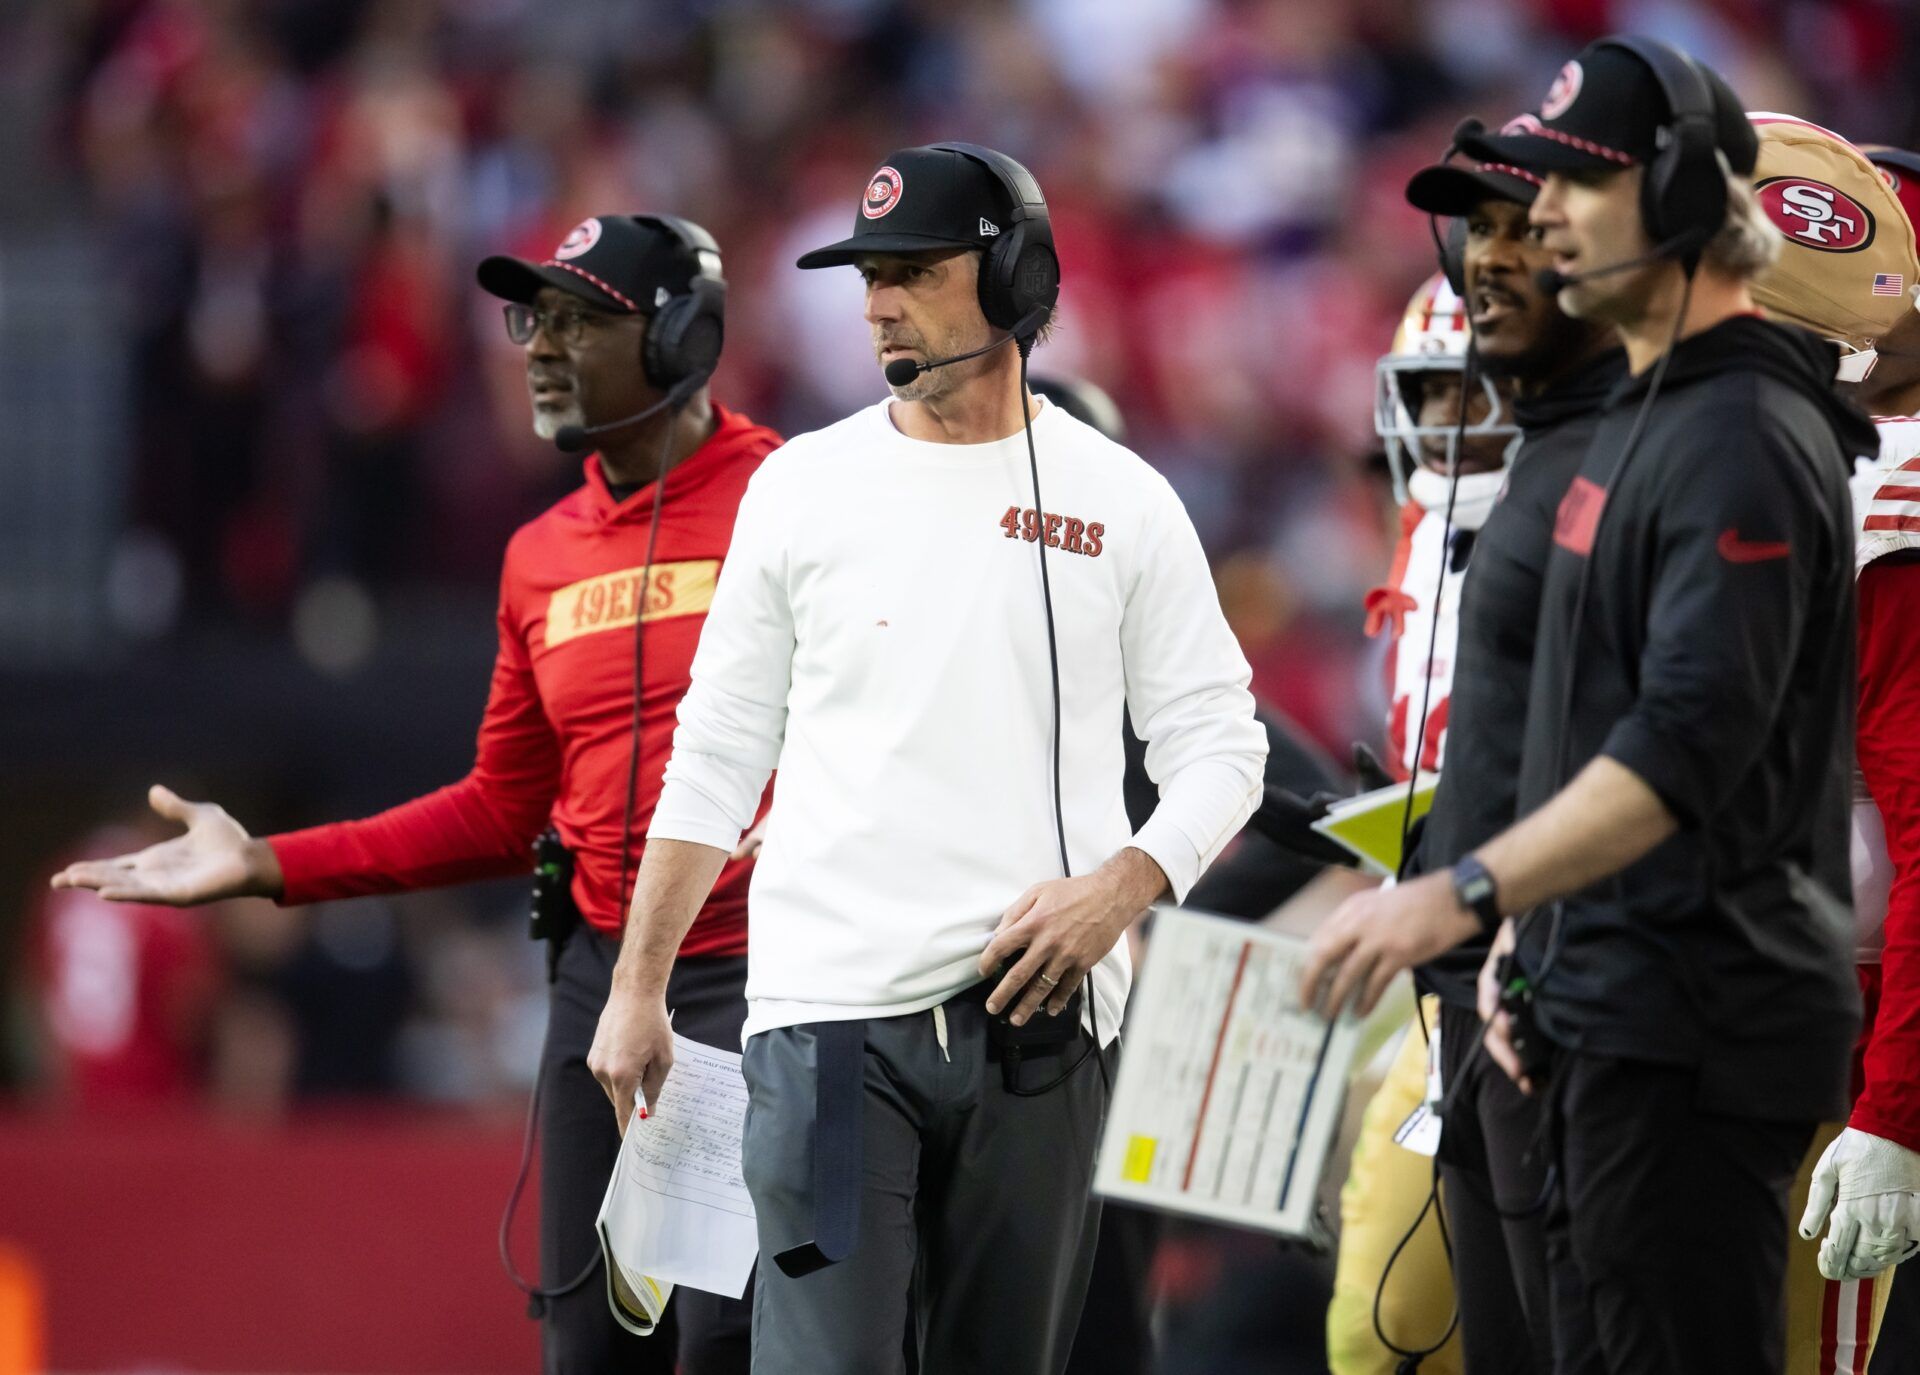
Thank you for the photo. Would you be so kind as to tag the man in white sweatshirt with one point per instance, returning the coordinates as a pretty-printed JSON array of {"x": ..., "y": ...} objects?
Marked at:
[{"x": 936, "y": 661}]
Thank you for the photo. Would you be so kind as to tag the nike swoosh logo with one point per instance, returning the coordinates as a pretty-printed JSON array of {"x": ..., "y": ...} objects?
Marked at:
[{"x": 1736, "y": 550}]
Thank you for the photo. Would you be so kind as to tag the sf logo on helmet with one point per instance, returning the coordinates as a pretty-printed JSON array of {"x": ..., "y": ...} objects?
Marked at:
[{"x": 1816, "y": 215}]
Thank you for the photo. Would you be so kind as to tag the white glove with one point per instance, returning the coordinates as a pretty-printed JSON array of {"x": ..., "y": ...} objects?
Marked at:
[{"x": 1871, "y": 1188}]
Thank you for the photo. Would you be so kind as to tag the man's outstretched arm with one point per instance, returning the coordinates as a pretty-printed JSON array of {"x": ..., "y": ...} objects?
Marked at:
[
  {"x": 481, "y": 827},
  {"x": 216, "y": 859},
  {"x": 1597, "y": 825}
]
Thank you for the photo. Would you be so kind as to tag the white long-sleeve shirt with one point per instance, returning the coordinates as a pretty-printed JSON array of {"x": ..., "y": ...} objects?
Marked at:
[{"x": 878, "y": 634}]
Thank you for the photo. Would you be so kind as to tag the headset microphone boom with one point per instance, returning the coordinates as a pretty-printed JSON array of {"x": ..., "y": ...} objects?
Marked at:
[{"x": 901, "y": 371}]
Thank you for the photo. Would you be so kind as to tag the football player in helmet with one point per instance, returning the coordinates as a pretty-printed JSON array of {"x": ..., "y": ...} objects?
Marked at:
[
  {"x": 1862, "y": 1180},
  {"x": 1417, "y": 402},
  {"x": 1887, "y": 505},
  {"x": 1419, "y": 388}
]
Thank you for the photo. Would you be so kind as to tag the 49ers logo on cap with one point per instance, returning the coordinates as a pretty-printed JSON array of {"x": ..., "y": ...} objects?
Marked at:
[
  {"x": 581, "y": 238},
  {"x": 1564, "y": 91},
  {"x": 883, "y": 193},
  {"x": 1813, "y": 214}
]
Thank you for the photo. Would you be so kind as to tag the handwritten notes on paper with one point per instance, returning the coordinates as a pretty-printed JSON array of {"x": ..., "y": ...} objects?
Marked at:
[
  {"x": 1229, "y": 1092},
  {"x": 676, "y": 1209}
]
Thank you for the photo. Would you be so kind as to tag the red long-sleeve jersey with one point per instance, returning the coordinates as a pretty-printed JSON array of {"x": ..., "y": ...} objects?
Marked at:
[
  {"x": 1889, "y": 753},
  {"x": 1887, "y": 740},
  {"x": 556, "y": 738}
]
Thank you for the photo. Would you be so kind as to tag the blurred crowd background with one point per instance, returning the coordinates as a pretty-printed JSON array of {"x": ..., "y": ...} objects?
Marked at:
[{"x": 264, "y": 439}]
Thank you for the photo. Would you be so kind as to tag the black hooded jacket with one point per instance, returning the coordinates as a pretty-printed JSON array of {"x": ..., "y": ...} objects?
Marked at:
[
  {"x": 1714, "y": 658},
  {"x": 1493, "y": 657}
]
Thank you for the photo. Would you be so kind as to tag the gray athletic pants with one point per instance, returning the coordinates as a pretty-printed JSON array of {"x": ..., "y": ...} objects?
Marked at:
[{"x": 975, "y": 1223}]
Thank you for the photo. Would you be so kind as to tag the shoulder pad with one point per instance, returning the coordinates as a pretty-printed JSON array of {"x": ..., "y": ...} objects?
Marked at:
[{"x": 1886, "y": 493}]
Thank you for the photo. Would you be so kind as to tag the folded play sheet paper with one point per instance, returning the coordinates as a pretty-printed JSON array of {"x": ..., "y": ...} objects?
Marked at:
[
  {"x": 1369, "y": 824},
  {"x": 676, "y": 1210}
]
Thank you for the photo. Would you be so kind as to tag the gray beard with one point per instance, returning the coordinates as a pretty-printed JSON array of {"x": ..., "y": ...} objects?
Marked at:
[
  {"x": 547, "y": 424},
  {"x": 928, "y": 386}
]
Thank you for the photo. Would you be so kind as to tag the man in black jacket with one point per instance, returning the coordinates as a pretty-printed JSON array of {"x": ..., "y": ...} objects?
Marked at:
[
  {"x": 1682, "y": 787},
  {"x": 1561, "y": 369}
]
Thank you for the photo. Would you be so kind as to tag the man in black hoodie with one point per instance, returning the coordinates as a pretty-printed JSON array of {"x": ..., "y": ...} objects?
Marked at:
[
  {"x": 1562, "y": 370},
  {"x": 1683, "y": 777}
]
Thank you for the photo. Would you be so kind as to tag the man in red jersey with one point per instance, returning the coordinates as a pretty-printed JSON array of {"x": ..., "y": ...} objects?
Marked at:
[{"x": 604, "y": 592}]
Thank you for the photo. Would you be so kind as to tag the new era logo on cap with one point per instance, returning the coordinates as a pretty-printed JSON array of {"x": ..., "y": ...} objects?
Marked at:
[{"x": 988, "y": 228}]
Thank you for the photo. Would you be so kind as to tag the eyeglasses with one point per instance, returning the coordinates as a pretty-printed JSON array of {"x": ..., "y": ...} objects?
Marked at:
[{"x": 567, "y": 326}]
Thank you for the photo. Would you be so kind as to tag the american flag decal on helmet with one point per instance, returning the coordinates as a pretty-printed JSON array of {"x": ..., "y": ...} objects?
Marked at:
[{"x": 1888, "y": 284}]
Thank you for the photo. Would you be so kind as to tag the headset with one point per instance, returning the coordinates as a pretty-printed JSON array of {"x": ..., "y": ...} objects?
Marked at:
[
  {"x": 1021, "y": 271},
  {"x": 1683, "y": 189},
  {"x": 685, "y": 333}
]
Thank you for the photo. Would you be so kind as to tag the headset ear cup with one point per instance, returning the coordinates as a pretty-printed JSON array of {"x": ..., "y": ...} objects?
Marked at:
[
  {"x": 659, "y": 347},
  {"x": 1654, "y": 179},
  {"x": 1036, "y": 278},
  {"x": 1019, "y": 273},
  {"x": 997, "y": 278},
  {"x": 685, "y": 335},
  {"x": 1684, "y": 192},
  {"x": 704, "y": 333}
]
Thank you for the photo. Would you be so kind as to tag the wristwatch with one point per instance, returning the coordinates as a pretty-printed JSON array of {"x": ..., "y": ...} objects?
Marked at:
[{"x": 1476, "y": 891}]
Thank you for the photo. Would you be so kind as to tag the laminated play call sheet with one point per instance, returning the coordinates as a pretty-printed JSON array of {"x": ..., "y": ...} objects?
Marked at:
[{"x": 1229, "y": 1092}]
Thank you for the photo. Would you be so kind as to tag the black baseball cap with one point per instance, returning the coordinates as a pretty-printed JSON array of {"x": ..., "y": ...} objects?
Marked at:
[
  {"x": 1605, "y": 110},
  {"x": 1455, "y": 188},
  {"x": 627, "y": 264},
  {"x": 921, "y": 198}
]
